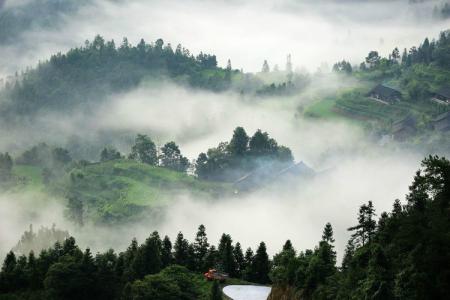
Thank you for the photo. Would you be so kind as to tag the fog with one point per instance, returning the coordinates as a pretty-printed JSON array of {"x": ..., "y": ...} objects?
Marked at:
[
  {"x": 247, "y": 32},
  {"x": 353, "y": 168}
]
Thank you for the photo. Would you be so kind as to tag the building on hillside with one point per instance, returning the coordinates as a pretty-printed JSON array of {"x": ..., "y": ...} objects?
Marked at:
[
  {"x": 268, "y": 174},
  {"x": 441, "y": 122},
  {"x": 384, "y": 94},
  {"x": 442, "y": 95},
  {"x": 404, "y": 128}
]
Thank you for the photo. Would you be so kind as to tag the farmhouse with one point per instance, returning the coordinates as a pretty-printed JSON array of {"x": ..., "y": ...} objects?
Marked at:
[
  {"x": 441, "y": 122},
  {"x": 384, "y": 94},
  {"x": 442, "y": 95}
]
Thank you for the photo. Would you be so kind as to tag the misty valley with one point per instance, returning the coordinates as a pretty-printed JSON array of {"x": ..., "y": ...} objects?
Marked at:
[{"x": 224, "y": 150}]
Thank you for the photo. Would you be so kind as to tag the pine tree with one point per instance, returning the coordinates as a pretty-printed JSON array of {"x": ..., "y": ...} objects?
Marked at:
[
  {"x": 201, "y": 246},
  {"x": 181, "y": 248},
  {"x": 261, "y": 265},
  {"x": 327, "y": 235},
  {"x": 226, "y": 258},
  {"x": 249, "y": 271},
  {"x": 166, "y": 252},
  {"x": 239, "y": 142},
  {"x": 240, "y": 260},
  {"x": 366, "y": 224},
  {"x": 148, "y": 257},
  {"x": 211, "y": 258}
]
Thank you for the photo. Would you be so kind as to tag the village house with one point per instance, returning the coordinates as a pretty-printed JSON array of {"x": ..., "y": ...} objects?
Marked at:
[
  {"x": 441, "y": 122},
  {"x": 442, "y": 95},
  {"x": 384, "y": 94}
]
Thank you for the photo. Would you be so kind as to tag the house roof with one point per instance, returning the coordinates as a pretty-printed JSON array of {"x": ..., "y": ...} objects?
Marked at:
[
  {"x": 444, "y": 91},
  {"x": 385, "y": 91}
]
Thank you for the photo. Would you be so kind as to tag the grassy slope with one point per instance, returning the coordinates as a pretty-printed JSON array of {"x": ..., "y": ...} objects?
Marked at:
[
  {"x": 354, "y": 105},
  {"x": 121, "y": 188},
  {"x": 118, "y": 190},
  {"x": 28, "y": 177}
]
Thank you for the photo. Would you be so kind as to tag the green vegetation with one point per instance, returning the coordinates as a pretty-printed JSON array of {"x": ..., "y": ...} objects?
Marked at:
[
  {"x": 229, "y": 161},
  {"x": 119, "y": 190},
  {"x": 405, "y": 255},
  {"x": 152, "y": 270},
  {"x": 416, "y": 73},
  {"x": 87, "y": 75}
]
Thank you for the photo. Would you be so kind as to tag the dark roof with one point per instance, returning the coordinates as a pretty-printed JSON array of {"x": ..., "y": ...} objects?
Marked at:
[
  {"x": 444, "y": 91},
  {"x": 385, "y": 91}
]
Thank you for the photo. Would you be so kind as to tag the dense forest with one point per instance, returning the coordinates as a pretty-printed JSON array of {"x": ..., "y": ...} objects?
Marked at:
[
  {"x": 155, "y": 269},
  {"x": 88, "y": 74},
  {"x": 403, "y": 255}
]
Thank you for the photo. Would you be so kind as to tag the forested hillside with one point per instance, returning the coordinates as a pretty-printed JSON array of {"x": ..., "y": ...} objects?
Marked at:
[
  {"x": 87, "y": 75},
  {"x": 403, "y": 255}
]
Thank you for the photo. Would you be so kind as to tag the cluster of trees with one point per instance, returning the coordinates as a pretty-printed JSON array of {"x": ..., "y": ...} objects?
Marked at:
[
  {"x": 435, "y": 52},
  {"x": 343, "y": 67},
  {"x": 405, "y": 255},
  {"x": 44, "y": 155},
  {"x": 44, "y": 238},
  {"x": 52, "y": 160},
  {"x": 442, "y": 11},
  {"x": 144, "y": 150},
  {"x": 243, "y": 154},
  {"x": 152, "y": 270},
  {"x": 92, "y": 72}
]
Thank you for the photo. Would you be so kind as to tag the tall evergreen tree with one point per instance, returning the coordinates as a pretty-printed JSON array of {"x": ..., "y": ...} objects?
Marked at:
[
  {"x": 239, "y": 258},
  {"x": 166, "y": 252},
  {"x": 181, "y": 247},
  {"x": 261, "y": 265},
  {"x": 226, "y": 257},
  {"x": 201, "y": 246}
]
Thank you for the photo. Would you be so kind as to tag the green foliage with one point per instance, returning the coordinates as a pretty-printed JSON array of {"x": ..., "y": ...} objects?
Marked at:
[
  {"x": 343, "y": 67},
  {"x": 109, "y": 153},
  {"x": 201, "y": 246},
  {"x": 87, "y": 75},
  {"x": 65, "y": 272},
  {"x": 144, "y": 150},
  {"x": 226, "y": 259},
  {"x": 216, "y": 293},
  {"x": 242, "y": 155},
  {"x": 171, "y": 158},
  {"x": 115, "y": 191},
  {"x": 404, "y": 256},
  {"x": 261, "y": 265},
  {"x": 44, "y": 238}
]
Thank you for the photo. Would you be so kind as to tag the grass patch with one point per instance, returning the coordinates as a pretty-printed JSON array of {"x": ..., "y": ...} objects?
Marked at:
[{"x": 121, "y": 189}]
